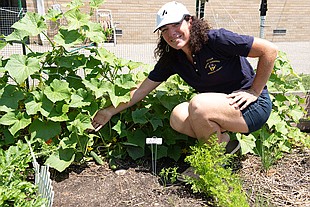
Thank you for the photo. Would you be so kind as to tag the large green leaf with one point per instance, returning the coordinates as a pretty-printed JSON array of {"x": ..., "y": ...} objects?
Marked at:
[
  {"x": 17, "y": 121},
  {"x": 106, "y": 56},
  {"x": 53, "y": 15},
  {"x": 273, "y": 119},
  {"x": 156, "y": 122},
  {"x": 281, "y": 126},
  {"x": 76, "y": 19},
  {"x": 32, "y": 23},
  {"x": 166, "y": 100},
  {"x": 120, "y": 128},
  {"x": 80, "y": 98},
  {"x": 20, "y": 67},
  {"x": 34, "y": 102},
  {"x": 95, "y": 33},
  {"x": 247, "y": 143},
  {"x": 61, "y": 159},
  {"x": 162, "y": 151},
  {"x": 139, "y": 116},
  {"x": 296, "y": 113},
  {"x": 10, "y": 96},
  {"x": 32, "y": 107},
  {"x": 17, "y": 35},
  {"x": 125, "y": 81},
  {"x": 67, "y": 38},
  {"x": 119, "y": 95},
  {"x": 135, "y": 152},
  {"x": 59, "y": 112},
  {"x": 174, "y": 152},
  {"x": 137, "y": 137},
  {"x": 133, "y": 65},
  {"x": 75, "y": 4},
  {"x": 44, "y": 129},
  {"x": 81, "y": 123},
  {"x": 58, "y": 91},
  {"x": 98, "y": 87}
]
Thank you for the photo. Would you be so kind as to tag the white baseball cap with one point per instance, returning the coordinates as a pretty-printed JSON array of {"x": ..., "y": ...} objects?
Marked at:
[{"x": 171, "y": 12}]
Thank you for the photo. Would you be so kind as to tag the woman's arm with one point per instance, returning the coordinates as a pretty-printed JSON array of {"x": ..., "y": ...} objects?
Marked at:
[
  {"x": 266, "y": 53},
  {"x": 137, "y": 94}
]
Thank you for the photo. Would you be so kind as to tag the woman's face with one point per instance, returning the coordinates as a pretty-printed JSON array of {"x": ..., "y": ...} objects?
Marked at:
[{"x": 177, "y": 34}]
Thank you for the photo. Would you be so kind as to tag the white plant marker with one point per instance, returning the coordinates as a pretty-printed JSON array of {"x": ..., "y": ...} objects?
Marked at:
[
  {"x": 43, "y": 180},
  {"x": 154, "y": 141}
]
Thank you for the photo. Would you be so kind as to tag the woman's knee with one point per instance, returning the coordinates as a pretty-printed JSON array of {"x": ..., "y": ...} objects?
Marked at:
[
  {"x": 178, "y": 116},
  {"x": 203, "y": 104}
]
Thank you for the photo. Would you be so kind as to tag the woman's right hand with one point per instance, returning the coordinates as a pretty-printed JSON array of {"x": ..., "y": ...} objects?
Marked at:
[
  {"x": 101, "y": 118},
  {"x": 104, "y": 115}
]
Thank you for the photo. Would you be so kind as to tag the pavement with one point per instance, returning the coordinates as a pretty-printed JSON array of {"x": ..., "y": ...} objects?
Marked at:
[{"x": 298, "y": 54}]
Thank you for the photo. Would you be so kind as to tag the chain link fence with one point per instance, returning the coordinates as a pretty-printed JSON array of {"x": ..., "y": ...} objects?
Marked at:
[{"x": 136, "y": 41}]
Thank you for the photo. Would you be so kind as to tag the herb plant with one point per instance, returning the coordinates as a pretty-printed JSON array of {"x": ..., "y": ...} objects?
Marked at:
[{"x": 216, "y": 179}]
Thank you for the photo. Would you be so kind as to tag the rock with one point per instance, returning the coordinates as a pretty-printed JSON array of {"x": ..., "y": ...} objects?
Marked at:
[{"x": 121, "y": 172}]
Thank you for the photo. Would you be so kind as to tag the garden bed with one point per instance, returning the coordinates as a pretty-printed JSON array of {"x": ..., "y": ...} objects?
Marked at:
[{"x": 287, "y": 183}]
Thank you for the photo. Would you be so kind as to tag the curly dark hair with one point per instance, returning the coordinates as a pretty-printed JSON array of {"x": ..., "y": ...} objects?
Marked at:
[{"x": 198, "y": 37}]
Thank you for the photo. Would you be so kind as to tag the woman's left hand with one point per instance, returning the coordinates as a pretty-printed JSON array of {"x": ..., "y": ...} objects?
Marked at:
[{"x": 241, "y": 99}]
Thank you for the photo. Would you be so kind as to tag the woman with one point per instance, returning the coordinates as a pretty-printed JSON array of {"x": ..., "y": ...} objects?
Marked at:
[{"x": 231, "y": 97}]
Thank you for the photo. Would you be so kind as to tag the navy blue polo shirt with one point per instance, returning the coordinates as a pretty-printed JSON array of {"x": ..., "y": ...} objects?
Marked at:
[{"x": 220, "y": 66}]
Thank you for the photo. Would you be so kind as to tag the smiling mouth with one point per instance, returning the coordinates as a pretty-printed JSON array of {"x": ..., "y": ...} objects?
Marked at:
[{"x": 174, "y": 40}]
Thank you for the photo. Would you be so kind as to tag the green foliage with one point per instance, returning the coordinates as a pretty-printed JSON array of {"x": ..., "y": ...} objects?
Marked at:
[
  {"x": 168, "y": 175},
  {"x": 280, "y": 132},
  {"x": 55, "y": 111},
  {"x": 215, "y": 178},
  {"x": 15, "y": 190},
  {"x": 44, "y": 97}
]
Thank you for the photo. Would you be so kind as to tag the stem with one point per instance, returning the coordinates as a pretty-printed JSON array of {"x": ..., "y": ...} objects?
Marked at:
[
  {"x": 50, "y": 41},
  {"x": 28, "y": 47}
]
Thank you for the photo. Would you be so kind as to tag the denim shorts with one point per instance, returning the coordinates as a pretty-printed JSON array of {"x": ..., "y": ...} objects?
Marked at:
[{"x": 258, "y": 112}]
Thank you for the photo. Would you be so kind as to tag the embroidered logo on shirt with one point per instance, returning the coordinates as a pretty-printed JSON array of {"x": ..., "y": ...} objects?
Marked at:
[{"x": 211, "y": 66}]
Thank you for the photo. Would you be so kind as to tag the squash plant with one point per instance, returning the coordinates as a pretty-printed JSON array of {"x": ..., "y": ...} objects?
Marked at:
[{"x": 44, "y": 97}]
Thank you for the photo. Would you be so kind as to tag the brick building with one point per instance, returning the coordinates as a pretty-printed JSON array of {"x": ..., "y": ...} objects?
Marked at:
[{"x": 135, "y": 19}]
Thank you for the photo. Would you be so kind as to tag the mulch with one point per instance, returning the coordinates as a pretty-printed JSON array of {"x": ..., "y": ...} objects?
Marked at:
[{"x": 287, "y": 183}]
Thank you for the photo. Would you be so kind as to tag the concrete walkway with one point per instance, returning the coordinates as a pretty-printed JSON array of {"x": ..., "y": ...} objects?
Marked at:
[{"x": 299, "y": 55}]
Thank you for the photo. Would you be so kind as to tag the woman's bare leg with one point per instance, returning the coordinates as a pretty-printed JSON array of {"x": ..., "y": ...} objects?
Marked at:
[{"x": 206, "y": 114}]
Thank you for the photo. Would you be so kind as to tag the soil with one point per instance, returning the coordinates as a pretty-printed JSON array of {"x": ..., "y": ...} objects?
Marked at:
[{"x": 287, "y": 183}]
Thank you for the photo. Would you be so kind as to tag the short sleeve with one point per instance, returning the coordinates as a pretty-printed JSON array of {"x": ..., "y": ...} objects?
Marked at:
[
  {"x": 229, "y": 43},
  {"x": 162, "y": 71}
]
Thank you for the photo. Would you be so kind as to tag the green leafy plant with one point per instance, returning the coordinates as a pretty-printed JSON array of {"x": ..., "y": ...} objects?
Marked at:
[
  {"x": 168, "y": 175},
  {"x": 279, "y": 134},
  {"x": 52, "y": 96},
  {"x": 15, "y": 190},
  {"x": 216, "y": 179}
]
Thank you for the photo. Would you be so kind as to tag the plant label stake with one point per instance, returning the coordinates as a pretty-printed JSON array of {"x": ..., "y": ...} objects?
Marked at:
[{"x": 154, "y": 141}]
